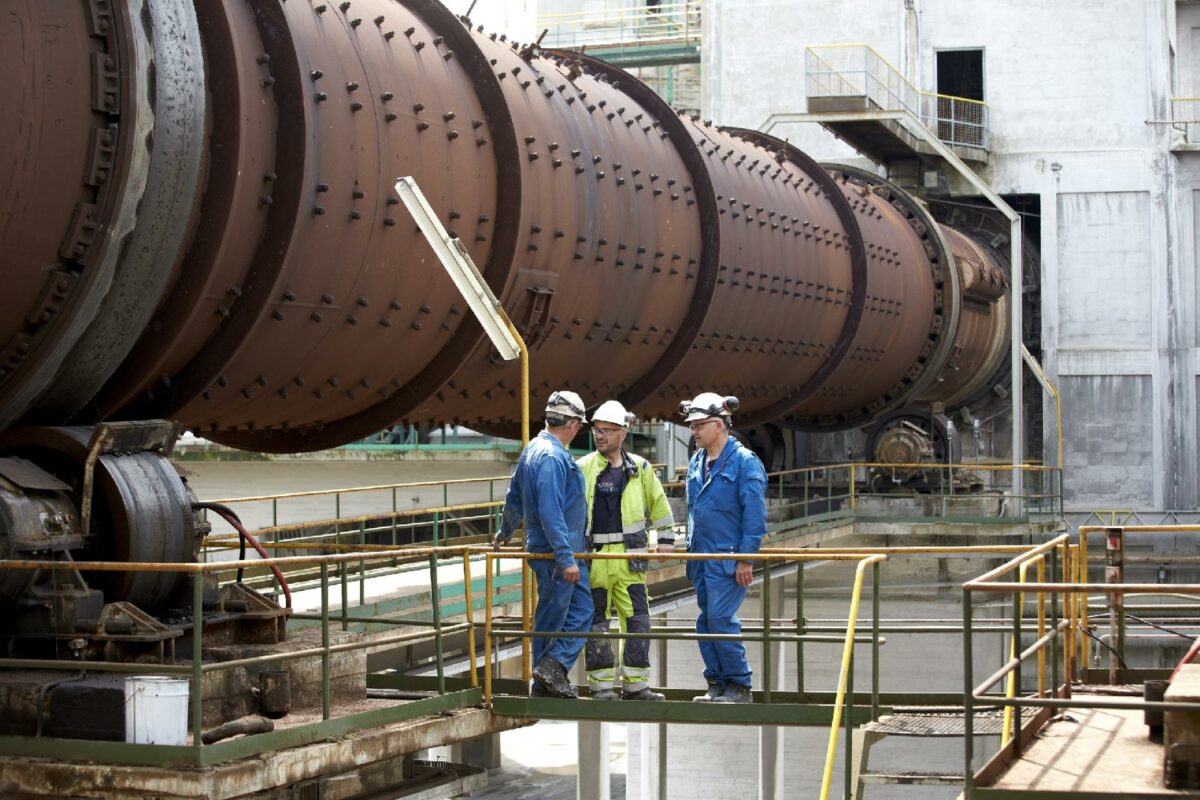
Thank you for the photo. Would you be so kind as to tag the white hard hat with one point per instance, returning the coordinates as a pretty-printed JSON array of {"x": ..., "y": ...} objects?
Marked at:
[
  {"x": 565, "y": 403},
  {"x": 614, "y": 412},
  {"x": 708, "y": 404}
]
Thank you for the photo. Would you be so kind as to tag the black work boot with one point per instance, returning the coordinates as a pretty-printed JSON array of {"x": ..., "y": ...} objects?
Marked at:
[
  {"x": 554, "y": 678},
  {"x": 735, "y": 693},
  {"x": 644, "y": 694},
  {"x": 715, "y": 690}
]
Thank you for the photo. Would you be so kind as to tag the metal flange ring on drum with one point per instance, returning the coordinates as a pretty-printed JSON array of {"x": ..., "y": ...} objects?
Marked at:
[{"x": 142, "y": 510}]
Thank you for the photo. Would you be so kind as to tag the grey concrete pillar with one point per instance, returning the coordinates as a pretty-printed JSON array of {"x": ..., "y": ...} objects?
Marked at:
[
  {"x": 593, "y": 782},
  {"x": 592, "y": 748},
  {"x": 770, "y": 738},
  {"x": 483, "y": 751},
  {"x": 652, "y": 739}
]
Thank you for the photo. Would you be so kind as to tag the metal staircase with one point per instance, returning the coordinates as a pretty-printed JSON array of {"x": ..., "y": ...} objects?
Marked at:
[
  {"x": 918, "y": 722},
  {"x": 862, "y": 99}
]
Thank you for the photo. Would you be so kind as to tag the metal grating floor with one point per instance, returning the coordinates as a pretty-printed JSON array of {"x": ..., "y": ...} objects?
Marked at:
[{"x": 940, "y": 723}]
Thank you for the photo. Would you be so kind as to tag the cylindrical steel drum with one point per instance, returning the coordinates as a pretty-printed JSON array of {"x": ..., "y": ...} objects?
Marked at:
[{"x": 202, "y": 226}]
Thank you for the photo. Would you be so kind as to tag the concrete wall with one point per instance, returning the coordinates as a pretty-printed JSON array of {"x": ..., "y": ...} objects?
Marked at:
[
  {"x": 515, "y": 18},
  {"x": 1074, "y": 92},
  {"x": 1108, "y": 441}
]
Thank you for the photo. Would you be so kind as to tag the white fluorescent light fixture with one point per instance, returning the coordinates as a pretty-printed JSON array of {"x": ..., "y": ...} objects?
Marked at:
[{"x": 462, "y": 270}]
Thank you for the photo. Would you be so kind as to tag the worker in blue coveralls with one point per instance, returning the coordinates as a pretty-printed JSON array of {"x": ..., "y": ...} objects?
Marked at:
[
  {"x": 546, "y": 492},
  {"x": 727, "y": 513}
]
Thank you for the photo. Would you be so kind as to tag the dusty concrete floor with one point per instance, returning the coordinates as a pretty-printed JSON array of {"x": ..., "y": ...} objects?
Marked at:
[{"x": 1091, "y": 750}]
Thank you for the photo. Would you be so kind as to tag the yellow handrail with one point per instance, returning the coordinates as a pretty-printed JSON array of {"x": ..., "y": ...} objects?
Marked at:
[
  {"x": 470, "y": 601},
  {"x": 488, "y": 601},
  {"x": 899, "y": 74},
  {"x": 844, "y": 672},
  {"x": 528, "y": 595},
  {"x": 1014, "y": 649},
  {"x": 1052, "y": 390},
  {"x": 886, "y": 86}
]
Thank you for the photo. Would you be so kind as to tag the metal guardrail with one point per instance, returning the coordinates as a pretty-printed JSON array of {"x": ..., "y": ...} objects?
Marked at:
[
  {"x": 833, "y": 488},
  {"x": 842, "y": 488},
  {"x": 841, "y": 709},
  {"x": 1063, "y": 643},
  {"x": 386, "y": 495},
  {"x": 812, "y": 495},
  {"x": 833, "y": 494},
  {"x": 857, "y": 70},
  {"x": 679, "y": 85},
  {"x": 631, "y": 23},
  {"x": 766, "y": 634},
  {"x": 1185, "y": 110},
  {"x": 199, "y": 754},
  {"x": 1110, "y": 517},
  {"x": 776, "y": 626},
  {"x": 1185, "y": 116}
]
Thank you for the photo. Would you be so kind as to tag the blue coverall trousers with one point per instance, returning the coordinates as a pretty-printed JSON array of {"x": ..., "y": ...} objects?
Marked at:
[
  {"x": 719, "y": 597},
  {"x": 563, "y": 607}
]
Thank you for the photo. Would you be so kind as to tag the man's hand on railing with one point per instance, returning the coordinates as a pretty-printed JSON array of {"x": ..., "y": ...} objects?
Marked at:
[{"x": 500, "y": 540}]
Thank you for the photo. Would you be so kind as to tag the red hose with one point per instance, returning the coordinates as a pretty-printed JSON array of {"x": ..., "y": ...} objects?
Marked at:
[
  {"x": 1187, "y": 658},
  {"x": 229, "y": 516}
]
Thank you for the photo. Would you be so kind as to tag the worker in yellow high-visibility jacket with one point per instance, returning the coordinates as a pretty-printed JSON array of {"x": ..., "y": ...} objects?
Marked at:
[{"x": 625, "y": 501}]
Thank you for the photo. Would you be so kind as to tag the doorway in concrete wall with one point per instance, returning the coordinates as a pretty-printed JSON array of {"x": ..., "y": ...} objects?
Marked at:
[{"x": 960, "y": 73}]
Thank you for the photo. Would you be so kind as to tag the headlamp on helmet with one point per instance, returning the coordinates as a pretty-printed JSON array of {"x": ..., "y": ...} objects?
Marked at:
[
  {"x": 708, "y": 404},
  {"x": 565, "y": 405}
]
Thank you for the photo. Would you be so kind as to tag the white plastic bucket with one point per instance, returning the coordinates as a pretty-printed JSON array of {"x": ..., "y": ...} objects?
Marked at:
[{"x": 156, "y": 710}]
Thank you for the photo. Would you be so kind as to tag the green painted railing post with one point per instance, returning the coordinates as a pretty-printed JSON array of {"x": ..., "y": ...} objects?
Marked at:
[
  {"x": 436, "y": 599},
  {"x": 1054, "y": 578},
  {"x": 1018, "y": 611},
  {"x": 395, "y": 517},
  {"x": 362, "y": 566},
  {"x": 766, "y": 635},
  {"x": 968, "y": 700},
  {"x": 345, "y": 596},
  {"x": 875, "y": 640},
  {"x": 274, "y": 540},
  {"x": 197, "y": 665},
  {"x": 800, "y": 629},
  {"x": 848, "y": 721},
  {"x": 325, "y": 666}
]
